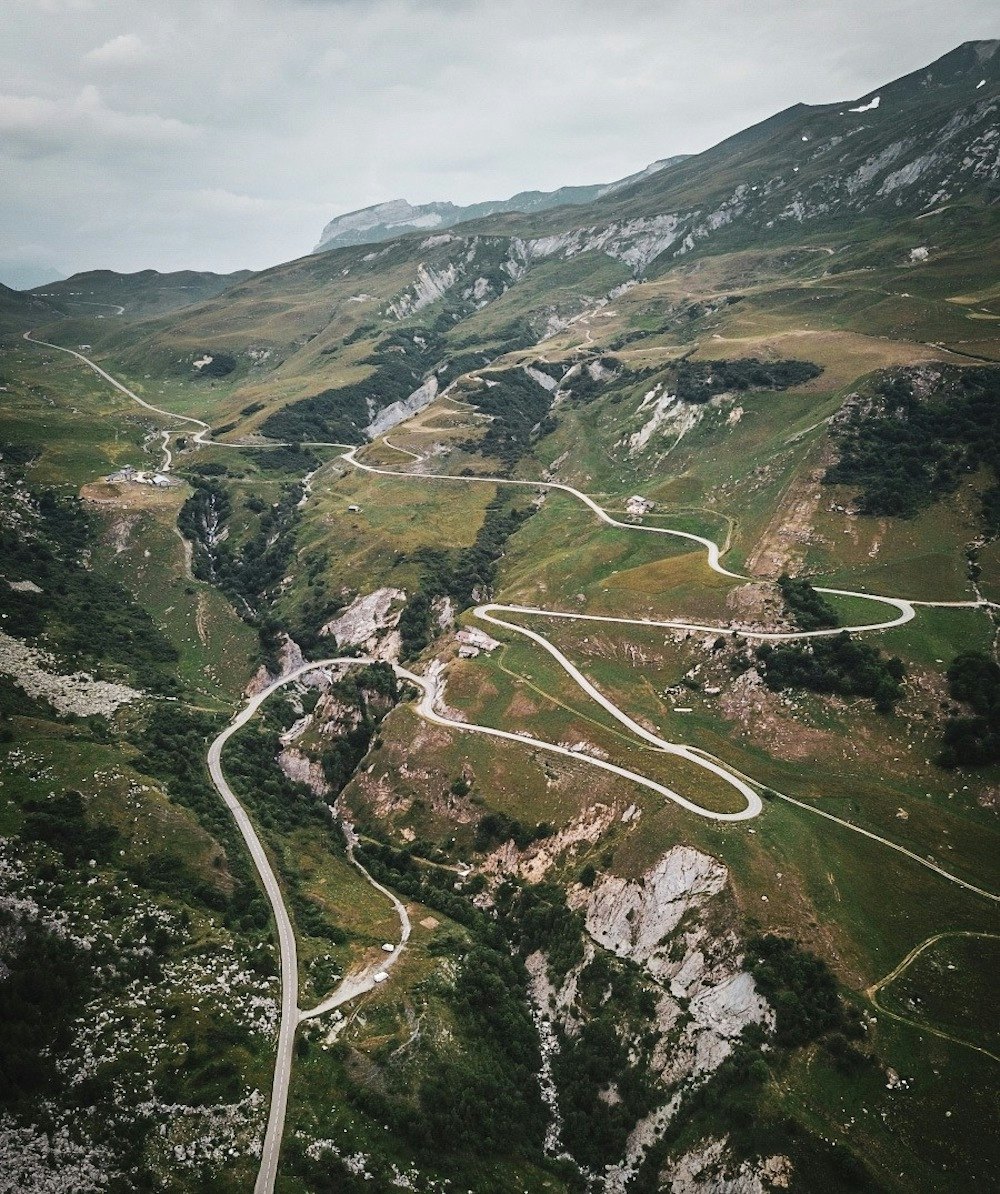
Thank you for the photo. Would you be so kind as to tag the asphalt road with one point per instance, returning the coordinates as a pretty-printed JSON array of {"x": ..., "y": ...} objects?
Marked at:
[{"x": 430, "y": 686}]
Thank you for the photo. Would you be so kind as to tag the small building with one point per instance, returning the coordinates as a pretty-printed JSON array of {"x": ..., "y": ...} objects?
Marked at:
[
  {"x": 127, "y": 473},
  {"x": 159, "y": 480},
  {"x": 353, "y": 509}
]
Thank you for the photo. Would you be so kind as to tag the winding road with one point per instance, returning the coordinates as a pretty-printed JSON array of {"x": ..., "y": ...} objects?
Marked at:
[{"x": 430, "y": 687}]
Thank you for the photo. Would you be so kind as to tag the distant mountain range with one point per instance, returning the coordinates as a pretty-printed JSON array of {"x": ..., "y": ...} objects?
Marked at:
[
  {"x": 143, "y": 294},
  {"x": 383, "y": 221}
]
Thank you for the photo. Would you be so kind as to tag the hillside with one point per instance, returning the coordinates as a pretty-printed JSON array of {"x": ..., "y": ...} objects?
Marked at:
[
  {"x": 141, "y": 295},
  {"x": 611, "y": 594},
  {"x": 19, "y": 310},
  {"x": 914, "y": 146}
]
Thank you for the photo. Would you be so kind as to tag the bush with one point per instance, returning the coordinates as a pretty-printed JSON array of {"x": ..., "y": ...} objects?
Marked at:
[
  {"x": 341, "y": 415},
  {"x": 84, "y": 615},
  {"x": 799, "y": 986},
  {"x": 517, "y": 404},
  {"x": 807, "y": 609},
  {"x": 834, "y": 665},
  {"x": 905, "y": 452},
  {"x": 973, "y": 741},
  {"x": 698, "y": 381},
  {"x": 465, "y": 575}
]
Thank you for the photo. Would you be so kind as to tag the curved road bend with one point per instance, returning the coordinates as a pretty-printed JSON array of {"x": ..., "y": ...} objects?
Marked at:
[
  {"x": 204, "y": 427},
  {"x": 712, "y": 549},
  {"x": 286, "y": 940},
  {"x": 429, "y": 687}
]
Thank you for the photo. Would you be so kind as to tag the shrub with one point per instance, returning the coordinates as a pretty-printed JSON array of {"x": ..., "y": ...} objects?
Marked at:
[
  {"x": 973, "y": 741},
  {"x": 807, "y": 608},
  {"x": 698, "y": 381},
  {"x": 834, "y": 665}
]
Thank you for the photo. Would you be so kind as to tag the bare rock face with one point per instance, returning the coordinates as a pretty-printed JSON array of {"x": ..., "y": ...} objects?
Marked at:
[
  {"x": 289, "y": 658},
  {"x": 535, "y": 861},
  {"x": 663, "y": 922},
  {"x": 632, "y": 919},
  {"x": 709, "y": 1169},
  {"x": 676, "y": 922},
  {"x": 758, "y": 605},
  {"x": 369, "y": 622},
  {"x": 300, "y": 768}
]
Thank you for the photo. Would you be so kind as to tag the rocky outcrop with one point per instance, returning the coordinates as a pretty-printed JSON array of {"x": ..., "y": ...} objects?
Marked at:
[
  {"x": 534, "y": 862},
  {"x": 289, "y": 658},
  {"x": 634, "y": 918},
  {"x": 368, "y": 622},
  {"x": 710, "y": 1169},
  {"x": 300, "y": 768},
  {"x": 399, "y": 412},
  {"x": 675, "y": 921},
  {"x": 430, "y": 285},
  {"x": 383, "y": 221},
  {"x": 35, "y": 672}
]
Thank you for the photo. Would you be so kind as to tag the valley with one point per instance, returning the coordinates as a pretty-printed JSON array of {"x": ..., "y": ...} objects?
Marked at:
[{"x": 542, "y": 732}]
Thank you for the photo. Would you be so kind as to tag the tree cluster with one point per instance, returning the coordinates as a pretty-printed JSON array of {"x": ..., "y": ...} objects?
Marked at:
[
  {"x": 973, "y": 741},
  {"x": 838, "y": 664},
  {"x": 464, "y": 574},
  {"x": 807, "y": 609},
  {"x": 517, "y": 405},
  {"x": 904, "y": 452},
  {"x": 84, "y": 615},
  {"x": 698, "y": 381}
]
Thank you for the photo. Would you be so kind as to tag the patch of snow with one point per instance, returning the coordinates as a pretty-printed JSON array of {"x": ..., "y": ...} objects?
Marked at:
[{"x": 869, "y": 107}]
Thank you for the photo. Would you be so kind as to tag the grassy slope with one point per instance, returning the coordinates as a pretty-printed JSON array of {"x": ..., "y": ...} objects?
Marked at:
[{"x": 847, "y": 898}]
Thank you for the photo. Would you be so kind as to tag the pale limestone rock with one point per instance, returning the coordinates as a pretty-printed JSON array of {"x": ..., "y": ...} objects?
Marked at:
[{"x": 368, "y": 621}]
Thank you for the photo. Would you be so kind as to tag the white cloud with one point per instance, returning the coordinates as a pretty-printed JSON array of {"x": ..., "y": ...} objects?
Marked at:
[
  {"x": 127, "y": 49},
  {"x": 35, "y": 126},
  {"x": 225, "y": 133}
]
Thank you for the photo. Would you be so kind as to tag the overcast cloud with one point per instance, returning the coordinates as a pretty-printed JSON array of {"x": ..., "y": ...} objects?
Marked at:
[{"x": 222, "y": 134}]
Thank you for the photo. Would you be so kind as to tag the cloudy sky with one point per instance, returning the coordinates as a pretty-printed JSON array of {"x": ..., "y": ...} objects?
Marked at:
[{"x": 221, "y": 134}]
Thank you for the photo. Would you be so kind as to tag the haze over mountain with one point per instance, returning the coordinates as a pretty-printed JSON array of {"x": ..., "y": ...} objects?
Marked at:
[
  {"x": 370, "y": 225},
  {"x": 127, "y": 143}
]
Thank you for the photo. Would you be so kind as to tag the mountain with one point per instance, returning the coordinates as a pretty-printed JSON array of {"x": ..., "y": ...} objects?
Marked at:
[
  {"x": 922, "y": 143},
  {"x": 141, "y": 294},
  {"x": 847, "y": 181},
  {"x": 20, "y": 310},
  {"x": 622, "y": 469},
  {"x": 383, "y": 221}
]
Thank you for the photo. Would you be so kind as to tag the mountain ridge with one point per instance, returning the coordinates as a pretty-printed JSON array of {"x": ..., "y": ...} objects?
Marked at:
[{"x": 395, "y": 217}]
